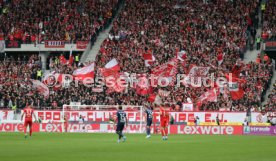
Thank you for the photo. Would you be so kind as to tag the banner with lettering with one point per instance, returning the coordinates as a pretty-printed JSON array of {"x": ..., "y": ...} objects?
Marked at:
[
  {"x": 82, "y": 44},
  {"x": 134, "y": 116},
  {"x": 54, "y": 44}
]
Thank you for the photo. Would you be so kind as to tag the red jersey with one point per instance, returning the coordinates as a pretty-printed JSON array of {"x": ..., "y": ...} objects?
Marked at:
[
  {"x": 28, "y": 111},
  {"x": 164, "y": 114}
]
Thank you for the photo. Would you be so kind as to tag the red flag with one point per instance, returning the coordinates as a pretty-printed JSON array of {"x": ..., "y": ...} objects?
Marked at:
[
  {"x": 71, "y": 58},
  {"x": 182, "y": 55},
  {"x": 208, "y": 96},
  {"x": 143, "y": 85},
  {"x": 62, "y": 60},
  {"x": 220, "y": 58},
  {"x": 149, "y": 58},
  {"x": 112, "y": 65},
  {"x": 236, "y": 70},
  {"x": 84, "y": 72},
  {"x": 40, "y": 87},
  {"x": 234, "y": 85},
  {"x": 167, "y": 71},
  {"x": 153, "y": 98},
  {"x": 117, "y": 82}
]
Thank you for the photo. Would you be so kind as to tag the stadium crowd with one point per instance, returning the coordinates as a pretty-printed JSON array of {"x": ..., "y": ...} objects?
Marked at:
[
  {"x": 204, "y": 30},
  {"x": 271, "y": 103},
  {"x": 33, "y": 21},
  {"x": 269, "y": 24}
]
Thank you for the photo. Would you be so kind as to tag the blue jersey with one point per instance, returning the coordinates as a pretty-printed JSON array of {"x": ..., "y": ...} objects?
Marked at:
[
  {"x": 149, "y": 114},
  {"x": 121, "y": 116}
]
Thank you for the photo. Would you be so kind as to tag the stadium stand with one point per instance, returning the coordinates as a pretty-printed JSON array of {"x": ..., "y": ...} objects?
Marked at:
[
  {"x": 34, "y": 21},
  {"x": 269, "y": 25},
  {"x": 203, "y": 30}
]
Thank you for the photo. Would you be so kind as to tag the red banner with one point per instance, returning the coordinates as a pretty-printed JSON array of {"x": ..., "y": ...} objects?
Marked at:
[
  {"x": 82, "y": 44},
  {"x": 54, "y": 44}
]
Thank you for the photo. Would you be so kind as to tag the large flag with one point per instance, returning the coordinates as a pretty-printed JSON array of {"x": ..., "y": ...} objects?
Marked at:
[
  {"x": 208, "y": 96},
  {"x": 112, "y": 65},
  {"x": 166, "y": 71},
  {"x": 84, "y": 72},
  {"x": 40, "y": 87},
  {"x": 111, "y": 68},
  {"x": 234, "y": 85}
]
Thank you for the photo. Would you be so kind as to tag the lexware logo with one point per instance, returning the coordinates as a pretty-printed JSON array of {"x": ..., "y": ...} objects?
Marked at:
[{"x": 206, "y": 130}]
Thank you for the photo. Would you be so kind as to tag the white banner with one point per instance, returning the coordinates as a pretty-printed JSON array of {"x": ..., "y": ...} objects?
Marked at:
[
  {"x": 188, "y": 107},
  {"x": 103, "y": 116}
]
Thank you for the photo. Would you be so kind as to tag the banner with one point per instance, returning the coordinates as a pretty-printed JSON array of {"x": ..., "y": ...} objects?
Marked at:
[
  {"x": 134, "y": 116},
  {"x": 259, "y": 130},
  {"x": 54, "y": 44},
  {"x": 270, "y": 45},
  {"x": 131, "y": 128},
  {"x": 13, "y": 44},
  {"x": 188, "y": 106},
  {"x": 2, "y": 46},
  {"x": 82, "y": 44}
]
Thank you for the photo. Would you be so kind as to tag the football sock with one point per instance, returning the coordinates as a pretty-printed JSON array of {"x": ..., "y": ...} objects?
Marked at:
[
  {"x": 148, "y": 131},
  {"x": 25, "y": 129},
  {"x": 166, "y": 132},
  {"x": 31, "y": 131}
]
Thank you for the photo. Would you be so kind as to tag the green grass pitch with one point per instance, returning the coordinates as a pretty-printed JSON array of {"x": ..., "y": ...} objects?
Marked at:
[{"x": 104, "y": 147}]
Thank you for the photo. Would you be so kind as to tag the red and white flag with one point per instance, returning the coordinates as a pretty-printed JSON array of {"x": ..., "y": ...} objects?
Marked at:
[
  {"x": 235, "y": 88},
  {"x": 149, "y": 58},
  {"x": 196, "y": 74},
  {"x": 154, "y": 98},
  {"x": 112, "y": 65},
  {"x": 163, "y": 93},
  {"x": 62, "y": 60},
  {"x": 182, "y": 55},
  {"x": 220, "y": 58},
  {"x": 208, "y": 96},
  {"x": 166, "y": 72},
  {"x": 198, "y": 71},
  {"x": 40, "y": 87},
  {"x": 142, "y": 85},
  {"x": 71, "y": 58},
  {"x": 116, "y": 82},
  {"x": 85, "y": 72}
]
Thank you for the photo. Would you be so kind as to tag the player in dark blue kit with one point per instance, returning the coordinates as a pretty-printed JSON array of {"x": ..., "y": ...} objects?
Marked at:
[
  {"x": 149, "y": 113},
  {"x": 121, "y": 123}
]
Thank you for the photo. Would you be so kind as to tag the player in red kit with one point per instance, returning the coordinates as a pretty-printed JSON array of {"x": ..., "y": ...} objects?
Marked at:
[
  {"x": 28, "y": 114},
  {"x": 164, "y": 121}
]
